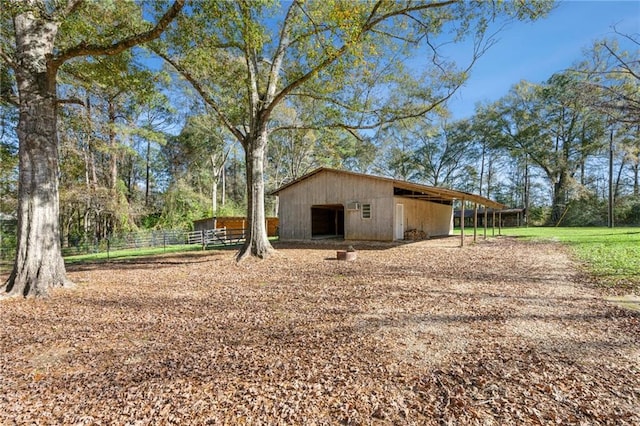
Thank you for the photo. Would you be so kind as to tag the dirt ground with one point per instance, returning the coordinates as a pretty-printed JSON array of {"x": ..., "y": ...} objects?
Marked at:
[{"x": 500, "y": 332}]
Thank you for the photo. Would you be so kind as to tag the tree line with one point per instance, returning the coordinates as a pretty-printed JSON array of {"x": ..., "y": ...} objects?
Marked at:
[
  {"x": 562, "y": 149},
  {"x": 126, "y": 115}
]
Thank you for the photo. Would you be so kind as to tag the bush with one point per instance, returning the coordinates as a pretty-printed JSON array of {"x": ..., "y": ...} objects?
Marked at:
[
  {"x": 150, "y": 221},
  {"x": 633, "y": 217},
  {"x": 538, "y": 215},
  {"x": 628, "y": 211},
  {"x": 588, "y": 210},
  {"x": 8, "y": 240},
  {"x": 231, "y": 209},
  {"x": 183, "y": 205}
]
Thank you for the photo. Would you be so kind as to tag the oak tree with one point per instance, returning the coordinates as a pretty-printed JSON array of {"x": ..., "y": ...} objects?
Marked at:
[
  {"x": 250, "y": 57},
  {"x": 37, "y": 38}
]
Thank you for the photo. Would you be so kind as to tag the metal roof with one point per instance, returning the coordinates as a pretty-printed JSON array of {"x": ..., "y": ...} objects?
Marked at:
[
  {"x": 469, "y": 212},
  {"x": 414, "y": 190}
]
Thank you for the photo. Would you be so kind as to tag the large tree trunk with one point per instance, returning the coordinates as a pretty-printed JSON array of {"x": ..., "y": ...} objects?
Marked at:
[
  {"x": 616, "y": 191},
  {"x": 526, "y": 192},
  {"x": 223, "y": 196},
  {"x": 559, "y": 198},
  {"x": 482, "y": 170},
  {"x": 215, "y": 173},
  {"x": 257, "y": 242},
  {"x": 636, "y": 180},
  {"x": 147, "y": 174},
  {"x": 113, "y": 157},
  {"x": 38, "y": 265}
]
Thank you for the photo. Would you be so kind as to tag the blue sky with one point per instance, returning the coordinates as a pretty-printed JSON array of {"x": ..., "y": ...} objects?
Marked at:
[{"x": 534, "y": 51}]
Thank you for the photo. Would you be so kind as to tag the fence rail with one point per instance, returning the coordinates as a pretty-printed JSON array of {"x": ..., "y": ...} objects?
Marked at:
[
  {"x": 218, "y": 236},
  {"x": 133, "y": 240},
  {"x": 210, "y": 238},
  {"x": 153, "y": 239}
]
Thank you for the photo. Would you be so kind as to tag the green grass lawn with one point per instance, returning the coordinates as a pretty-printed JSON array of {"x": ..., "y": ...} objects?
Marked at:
[
  {"x": 611, "y": 254},
  {"x": 129, "y": 253},
  {"x": 102, "y": 256}
]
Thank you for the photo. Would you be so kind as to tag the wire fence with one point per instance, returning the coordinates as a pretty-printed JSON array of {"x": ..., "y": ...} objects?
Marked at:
[
  {"x": 210, "y": 238},
  {"x": 132, "y": 240},
  {"x": 159, "y": 239}
]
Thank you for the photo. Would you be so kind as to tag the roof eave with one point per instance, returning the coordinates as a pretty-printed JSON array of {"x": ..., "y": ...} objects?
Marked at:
[{"x": 447, "y": 194}]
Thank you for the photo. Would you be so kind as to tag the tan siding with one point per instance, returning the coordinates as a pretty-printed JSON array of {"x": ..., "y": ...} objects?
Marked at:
[
  {"x": 327, "y": 188},
  {"x": 333, "y": 188},
  {"x": 433, "y": 218}
]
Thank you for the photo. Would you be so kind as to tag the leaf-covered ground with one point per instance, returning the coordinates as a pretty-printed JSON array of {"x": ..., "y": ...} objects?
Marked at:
[{"x": 501, "y": 332}]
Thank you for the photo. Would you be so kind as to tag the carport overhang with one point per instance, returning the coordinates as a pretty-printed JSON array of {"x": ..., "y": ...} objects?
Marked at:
[
  {"x": 440, "y": 195},
  {"x": 449, "y": 196}
]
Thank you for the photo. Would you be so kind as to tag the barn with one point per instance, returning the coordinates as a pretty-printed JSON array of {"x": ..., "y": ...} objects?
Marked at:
[{"x": 330, "y": 203}]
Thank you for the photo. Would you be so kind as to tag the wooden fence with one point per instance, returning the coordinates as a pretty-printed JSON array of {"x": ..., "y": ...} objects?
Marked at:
[
  {"x": 216, "y": 237},
  {"x": 234, "y": 222}
]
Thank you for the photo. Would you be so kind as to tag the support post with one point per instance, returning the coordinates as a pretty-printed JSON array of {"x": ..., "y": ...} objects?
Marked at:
[
  {"x": 493, "y": 224},
  {"x": 475, "y": 222},
  {"x": 462, "y": 214},
  {"x": 611, "y": 194},
  {"x": 485, "y": 222}
]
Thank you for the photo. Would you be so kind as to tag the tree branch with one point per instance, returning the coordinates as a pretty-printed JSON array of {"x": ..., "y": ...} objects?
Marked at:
[
  {"x": 7, "y": 59},
  {"x": 201, "y": 90},
  {"x": 276, "y": 65},
  {"x": 621, "y": 61},
  {"x": 371, "y": 23},
  {"x": 11, "y": 99},
  {"x": 71, "y": 7},
  {"x": 73, "y": 101},
  {"x": 85, "y": 49},
  {"x": 632, "y": 38}
]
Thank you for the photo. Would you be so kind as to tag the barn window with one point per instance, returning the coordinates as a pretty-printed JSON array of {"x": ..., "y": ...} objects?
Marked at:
[{"x": 366, "y": 211}]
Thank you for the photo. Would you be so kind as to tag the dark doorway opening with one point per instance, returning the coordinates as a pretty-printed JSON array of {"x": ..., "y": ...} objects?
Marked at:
[{"x": 327, "y": 221}]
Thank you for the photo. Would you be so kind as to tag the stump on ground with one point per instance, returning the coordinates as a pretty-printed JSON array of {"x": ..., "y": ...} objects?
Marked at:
[{"x": 346, "y": 255}]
